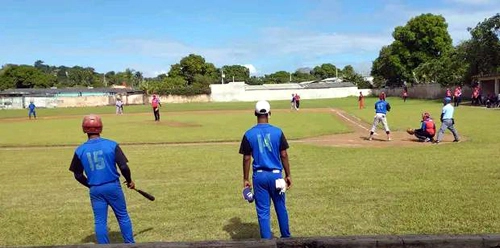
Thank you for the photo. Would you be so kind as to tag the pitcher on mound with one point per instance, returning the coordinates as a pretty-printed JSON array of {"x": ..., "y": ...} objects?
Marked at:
[{"x": 381, "y": 109}]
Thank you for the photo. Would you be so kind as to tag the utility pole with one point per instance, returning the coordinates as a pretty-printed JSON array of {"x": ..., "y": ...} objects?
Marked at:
[
  {"x": 290, "y": 77},
  {"x": 222, "y": 76}
]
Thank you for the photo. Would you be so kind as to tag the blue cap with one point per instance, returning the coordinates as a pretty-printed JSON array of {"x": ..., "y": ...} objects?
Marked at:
[
  {"x": 447, "y": 100},
  {"x": 248, "y": 195}
]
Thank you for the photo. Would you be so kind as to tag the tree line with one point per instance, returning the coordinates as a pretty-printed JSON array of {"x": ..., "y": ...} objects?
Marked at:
[
  {"x": 191, "y": 75},
  {"x": 422, "y": 52}
]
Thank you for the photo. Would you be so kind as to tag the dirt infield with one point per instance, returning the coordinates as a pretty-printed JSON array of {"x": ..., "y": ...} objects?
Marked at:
[
  {"x": 361, "y": 131},
  {"x": 358, "y": 137}
]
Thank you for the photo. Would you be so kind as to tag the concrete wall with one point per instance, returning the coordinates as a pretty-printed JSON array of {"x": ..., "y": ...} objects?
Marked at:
[
  {"x": 182, "y": 99},
  {"x": 92, "y": 101},
  {"x": 238, "y": 91},
  {"x": 401, "y": 241},
  {"x": 424, "y": 91},
  {"x": 11, "y": 102}
]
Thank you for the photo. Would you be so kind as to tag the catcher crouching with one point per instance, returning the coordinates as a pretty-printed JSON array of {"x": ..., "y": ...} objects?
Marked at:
[{"x": 427, "y": 130}]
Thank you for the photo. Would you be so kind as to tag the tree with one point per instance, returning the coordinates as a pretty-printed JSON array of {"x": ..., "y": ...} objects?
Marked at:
[
  {"x": 449, "y": 69},
  {"x": 350, "y": 75},
  {"x": 483, "y": 50},
  {"x": 301, "y": 76},
  {"x": 25, "y": 76},
  {"x": 175, "y": 71},
  {"x": 325, "y": 71},
  {"x": 239, "y": 72},
  {"x": 422, "y": 39},
  {"x": 191, "y": 66},
  {"x": 254, "y": 80},
  {"x": 387, "y": 69},
  {"x": 278, "y": 77},
  {"x": 138, "y": 77}
]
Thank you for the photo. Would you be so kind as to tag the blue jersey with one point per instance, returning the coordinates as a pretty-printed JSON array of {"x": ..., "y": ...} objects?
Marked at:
[
  {"x": 381, "y": 107},
  {"x": 31, "y": 107},
  {"x": 265, "y": 143},
  {"x": 99, "y": 160}
]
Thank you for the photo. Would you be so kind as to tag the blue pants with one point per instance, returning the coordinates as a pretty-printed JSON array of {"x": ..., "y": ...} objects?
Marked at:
[
  {"x": 32, "y": 113},
  {"x": 264, "y": 184},
  {"x": 110, "y": 194}
]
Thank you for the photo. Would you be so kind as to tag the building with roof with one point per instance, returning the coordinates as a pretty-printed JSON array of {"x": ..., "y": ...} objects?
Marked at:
[{"x": 490, "y": 83}]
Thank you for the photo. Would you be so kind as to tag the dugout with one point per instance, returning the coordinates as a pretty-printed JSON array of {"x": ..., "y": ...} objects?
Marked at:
[{"x": 490, "y": 83}]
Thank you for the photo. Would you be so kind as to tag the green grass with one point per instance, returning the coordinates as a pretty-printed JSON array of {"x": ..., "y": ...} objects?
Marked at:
[
  {"x": 141, "y": 129},
  {"x": 443, "y": 189},
  {"x": 168, "y": 107}
]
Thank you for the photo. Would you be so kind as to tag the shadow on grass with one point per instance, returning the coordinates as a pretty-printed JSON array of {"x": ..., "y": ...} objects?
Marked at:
[
  {"x": 115, "y": 237},
  {"x": 240, "y": 231}
]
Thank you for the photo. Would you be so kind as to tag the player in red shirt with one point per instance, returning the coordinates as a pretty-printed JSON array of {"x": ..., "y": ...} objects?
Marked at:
[
  {"x": 155, "y": 103},
  {"x": 297, "y": 101}
]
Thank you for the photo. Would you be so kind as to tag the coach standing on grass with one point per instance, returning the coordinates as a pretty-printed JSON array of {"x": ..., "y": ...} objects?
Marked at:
[
  {"x": 267, "y": 145},
  {"x": 98, "y": 158}
]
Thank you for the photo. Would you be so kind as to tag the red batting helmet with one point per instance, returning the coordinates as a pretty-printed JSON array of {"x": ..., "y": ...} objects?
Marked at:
[
  {"x": 92, "y": 124},
  {"x": 382, "y": 96}
]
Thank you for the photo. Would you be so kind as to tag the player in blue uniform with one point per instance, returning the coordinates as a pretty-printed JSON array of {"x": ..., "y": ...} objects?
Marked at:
[
  {"x": 97, "y": 158},
  {"x": 267, "y": 145},
  {"x": 32, "y": 111},
  {"x": 381, "y": 109}
]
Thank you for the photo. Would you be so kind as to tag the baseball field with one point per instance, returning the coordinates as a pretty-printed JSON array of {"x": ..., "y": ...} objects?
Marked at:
[{"x": 343, "y": 183}]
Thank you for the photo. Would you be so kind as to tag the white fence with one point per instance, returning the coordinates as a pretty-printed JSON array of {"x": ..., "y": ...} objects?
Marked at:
[{"x": 239, "y": 91}]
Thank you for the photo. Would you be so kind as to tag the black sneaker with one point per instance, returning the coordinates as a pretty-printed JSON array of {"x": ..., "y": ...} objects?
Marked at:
[{"x": 456, "y": 141}]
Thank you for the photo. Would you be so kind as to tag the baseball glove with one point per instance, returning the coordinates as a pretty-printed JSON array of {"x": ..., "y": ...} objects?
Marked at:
[{"x": 410, "y": 131}]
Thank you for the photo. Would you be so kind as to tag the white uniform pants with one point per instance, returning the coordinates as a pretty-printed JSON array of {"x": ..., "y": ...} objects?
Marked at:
[{"x": 380, "y": 118}]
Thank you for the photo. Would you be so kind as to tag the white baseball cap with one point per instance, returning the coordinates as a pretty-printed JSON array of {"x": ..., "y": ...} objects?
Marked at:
[{"x": 262, "y": 107}]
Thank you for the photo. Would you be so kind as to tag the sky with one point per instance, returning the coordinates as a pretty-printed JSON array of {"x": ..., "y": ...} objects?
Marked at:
[{"x": 266, "y": 36}]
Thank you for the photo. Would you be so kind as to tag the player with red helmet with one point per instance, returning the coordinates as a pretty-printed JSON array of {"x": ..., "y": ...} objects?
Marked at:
[
  {"x": 94, "y": 166},
  {"x": 427, "y": 130}
]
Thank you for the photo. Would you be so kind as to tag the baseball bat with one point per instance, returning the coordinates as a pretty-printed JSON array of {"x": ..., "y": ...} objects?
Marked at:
[{"x": 145, "y": 194}]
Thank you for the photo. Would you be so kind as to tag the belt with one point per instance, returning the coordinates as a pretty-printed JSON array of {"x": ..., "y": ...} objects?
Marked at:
[{"x": 273, "y": 171}]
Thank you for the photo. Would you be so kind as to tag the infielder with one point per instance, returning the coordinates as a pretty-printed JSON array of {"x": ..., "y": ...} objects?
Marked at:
[
  {"x": 381, "y": 109},
  {"x": 32, "y": 110},
  {"x": 97, "y": 158},
  {"x": 447, "y": 121},
  {"x": 267, "y": 145},
  {"x": 119, "y": 106}
]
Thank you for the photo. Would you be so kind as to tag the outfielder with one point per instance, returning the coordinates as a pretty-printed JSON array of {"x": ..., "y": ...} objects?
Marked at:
[
  {"x": 447, "y": 121},
  {"x": 32, "y": 110},
  {"x": 381, "y": 109},
  {"x": 97, "y": 158},
  {"x": 267, "y": 145}
]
